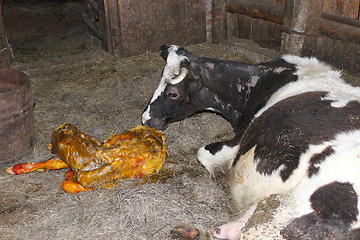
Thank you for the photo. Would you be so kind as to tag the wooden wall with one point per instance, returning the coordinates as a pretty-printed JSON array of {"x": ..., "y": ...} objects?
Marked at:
[
  {"x": 267, "y": 34},
  {"x": 322, "y": 34},
  {"x": 342, "y": 54},
  {"x": 130, "y": 27}
]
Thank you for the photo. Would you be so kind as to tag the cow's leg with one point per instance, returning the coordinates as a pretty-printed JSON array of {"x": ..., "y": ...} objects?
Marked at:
[
  {"x": 218, "y": 153},
  {"x": 232, "y": 229},
  {"x": 221, "y": 153}
]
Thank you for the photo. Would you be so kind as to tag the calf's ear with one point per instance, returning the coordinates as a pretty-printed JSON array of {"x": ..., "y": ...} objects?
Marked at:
[{"x": 164, "y": 52}]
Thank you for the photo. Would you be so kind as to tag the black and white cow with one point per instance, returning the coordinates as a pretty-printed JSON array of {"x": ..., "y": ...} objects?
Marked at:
[{"x": 297, "y": 126}]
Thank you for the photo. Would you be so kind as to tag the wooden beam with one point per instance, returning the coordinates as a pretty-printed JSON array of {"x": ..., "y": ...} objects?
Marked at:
[
  {"x": 95, "y": 29},
  {"x": 340, "y": 31},
  {"x": 340, "y": 19},
  {"x": 219, "y": 25},
  {"x": 94, "y": 5},
  {"x": 273, "y": 13}
]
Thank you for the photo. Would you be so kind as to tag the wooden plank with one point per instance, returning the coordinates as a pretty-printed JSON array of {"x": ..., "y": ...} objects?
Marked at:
[
  {"x": 219, "y": 25},
  {"x": 346, "y": 57},
  {"x": 261, "y": 10},
  {"x": 103, "y": 24},
  {"x": 4, "y": 46},
  {"x": 94, "y": 5},
  {"x": 113, "y": 27},
  {"x": 265, "y": 33},
  {"x": 244, "y": 27},
  {"x": 147, "y": 24},
  {"x": 347, "y": 8},
  {"x": 91, "y": 25},
  {"x": 356, "y": 63},
  {"x": 340, "y": 31},
  {"x": 329, "y": 6},
  {"x": 337, "y": 27},
  {"x": 302, "y": 19}
]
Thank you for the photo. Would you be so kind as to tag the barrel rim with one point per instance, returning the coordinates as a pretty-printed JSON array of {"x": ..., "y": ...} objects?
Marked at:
[{"x": 20, "y": 76}]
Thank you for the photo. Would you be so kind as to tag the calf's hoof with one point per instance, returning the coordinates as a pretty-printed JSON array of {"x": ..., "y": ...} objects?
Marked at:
[{"x": 186, "y": 232}]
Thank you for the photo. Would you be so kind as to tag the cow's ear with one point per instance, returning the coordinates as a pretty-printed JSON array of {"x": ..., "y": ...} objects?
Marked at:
[
  {"x": 164, "y": 52},
  {"x": 185, "y": 63}
]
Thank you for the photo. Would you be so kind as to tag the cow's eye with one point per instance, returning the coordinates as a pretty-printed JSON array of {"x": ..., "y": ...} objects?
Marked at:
[{"x": 172, "y": 95}]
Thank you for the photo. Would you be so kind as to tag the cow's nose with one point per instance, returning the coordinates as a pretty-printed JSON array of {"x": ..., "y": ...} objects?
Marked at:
[{"x": 143, "y": 121}]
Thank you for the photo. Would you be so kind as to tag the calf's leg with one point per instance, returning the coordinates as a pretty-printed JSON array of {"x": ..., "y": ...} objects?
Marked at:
[{"x": 51, "y": 164}]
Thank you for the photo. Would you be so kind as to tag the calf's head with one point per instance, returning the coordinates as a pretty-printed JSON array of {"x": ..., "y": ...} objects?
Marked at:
[{"x": 179, "y": 93}]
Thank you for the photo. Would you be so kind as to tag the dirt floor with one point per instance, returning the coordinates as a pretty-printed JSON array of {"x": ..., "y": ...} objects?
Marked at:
[{"x": 75, "y": 81}]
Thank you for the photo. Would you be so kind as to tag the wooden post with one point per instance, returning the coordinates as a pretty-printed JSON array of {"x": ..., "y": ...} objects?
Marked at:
[
  {"x": 4, "y": 45},
  {"x": 219, "y": 25},
  {"x": 113, "y": 29},
  {"x": 301, "y": 27}
]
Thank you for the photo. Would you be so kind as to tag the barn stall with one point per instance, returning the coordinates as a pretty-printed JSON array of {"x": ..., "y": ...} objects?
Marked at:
[{"x": 100, "y": 79}]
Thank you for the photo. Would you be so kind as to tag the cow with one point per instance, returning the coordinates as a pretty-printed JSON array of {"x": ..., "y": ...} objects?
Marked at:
[{"x": 297, "y": 135}]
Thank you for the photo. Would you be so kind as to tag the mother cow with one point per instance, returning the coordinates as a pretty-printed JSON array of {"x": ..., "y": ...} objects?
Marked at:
[{"x": 297, "y": 127}]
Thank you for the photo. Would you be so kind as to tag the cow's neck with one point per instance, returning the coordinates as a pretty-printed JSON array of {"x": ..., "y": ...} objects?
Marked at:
[
  {"x": 225, "y": 84},
  {"x": 229, "y": 99}
]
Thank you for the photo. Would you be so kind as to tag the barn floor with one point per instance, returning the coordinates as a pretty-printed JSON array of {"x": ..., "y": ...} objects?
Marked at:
[{"x": 73, "y": 80}]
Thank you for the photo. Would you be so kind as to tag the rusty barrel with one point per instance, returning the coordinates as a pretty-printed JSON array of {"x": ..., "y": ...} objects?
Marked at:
[{"x": 16, "y": 115}]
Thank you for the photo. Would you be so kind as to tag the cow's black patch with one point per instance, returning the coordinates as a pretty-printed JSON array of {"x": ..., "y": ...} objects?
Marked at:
[
  {"x": 268, "y": 83},
  {"x": 335, "y": 201},
  {"x": 318, "y": 158},
  {"x": 311, "y": 227},
  {"x": 285, "y": 131},
  {"x": 335, "y": 207},
  {"x": 215, "y": 147}
]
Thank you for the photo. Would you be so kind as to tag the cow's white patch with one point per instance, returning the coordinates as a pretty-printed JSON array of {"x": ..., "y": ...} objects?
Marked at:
[
  {"x": 314, "y": 75},
  {"x": 173, "y": 61},
  {"x": 280, "y": 69},
  {"x": 248, "y": 186},
  {"x": 171, "y": 69},
  {"x": 342, "y": 166},
  {"x": 239, "y": 87},
  {"x": 224, "y": 156},
  {"x": 253, "y": 81},
  {"x": 210, "y": 65}
]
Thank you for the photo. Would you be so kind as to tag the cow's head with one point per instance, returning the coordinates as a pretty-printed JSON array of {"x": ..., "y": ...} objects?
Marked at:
[{"x": 179, "y": 93}]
